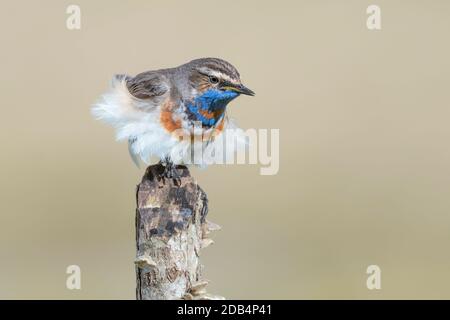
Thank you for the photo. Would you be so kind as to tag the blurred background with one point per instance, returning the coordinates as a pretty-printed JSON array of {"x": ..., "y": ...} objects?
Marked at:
[{"x": 364, "y": 144}]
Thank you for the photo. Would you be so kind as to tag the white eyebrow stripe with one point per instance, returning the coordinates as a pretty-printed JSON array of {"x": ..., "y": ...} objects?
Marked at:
[{"x": 218, "y": 74}]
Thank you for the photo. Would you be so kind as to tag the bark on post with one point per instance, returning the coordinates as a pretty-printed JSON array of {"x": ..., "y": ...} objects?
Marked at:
[{"x": 171, "y": 229}]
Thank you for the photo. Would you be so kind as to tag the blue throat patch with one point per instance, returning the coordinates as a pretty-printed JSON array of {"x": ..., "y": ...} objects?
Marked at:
[{"x": 211, "y": 101}]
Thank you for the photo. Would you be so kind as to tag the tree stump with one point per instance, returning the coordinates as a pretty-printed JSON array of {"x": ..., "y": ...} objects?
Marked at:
[{"x": 171, "y": 229}]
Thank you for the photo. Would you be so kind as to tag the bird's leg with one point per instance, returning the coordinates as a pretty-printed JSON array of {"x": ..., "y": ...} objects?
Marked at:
[{"x": 170, "y": 170}]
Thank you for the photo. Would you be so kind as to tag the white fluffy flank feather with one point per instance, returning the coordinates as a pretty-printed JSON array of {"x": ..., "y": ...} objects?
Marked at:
[{"x": 135, "y": 120}]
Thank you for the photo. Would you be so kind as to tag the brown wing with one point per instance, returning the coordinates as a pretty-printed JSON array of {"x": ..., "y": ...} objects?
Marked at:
[{"x": 148, "y": 85}]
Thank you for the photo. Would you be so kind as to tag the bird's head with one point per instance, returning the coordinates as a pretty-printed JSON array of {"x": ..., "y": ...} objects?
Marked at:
[
  {"x": 209, "y": 84},
  {"x": 216, "y": 80}
]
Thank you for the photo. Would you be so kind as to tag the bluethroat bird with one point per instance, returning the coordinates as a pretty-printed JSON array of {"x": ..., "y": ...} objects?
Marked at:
[{"x": 154, "y": 109}]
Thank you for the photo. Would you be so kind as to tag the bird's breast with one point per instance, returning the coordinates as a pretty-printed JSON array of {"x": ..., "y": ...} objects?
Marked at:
[{"x": 197, "y": 123}]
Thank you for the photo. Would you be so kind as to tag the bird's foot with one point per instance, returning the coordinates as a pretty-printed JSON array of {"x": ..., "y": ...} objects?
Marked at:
[{"x": 171, "y": 172}]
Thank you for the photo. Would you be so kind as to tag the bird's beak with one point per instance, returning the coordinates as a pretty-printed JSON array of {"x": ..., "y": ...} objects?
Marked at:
[
  {"x": 240, "y": 88},
  {"x": 244, "y": 90}
]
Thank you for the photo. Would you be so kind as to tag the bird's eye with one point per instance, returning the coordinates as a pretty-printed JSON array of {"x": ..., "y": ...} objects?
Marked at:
[{"x": 213, "y": 79}]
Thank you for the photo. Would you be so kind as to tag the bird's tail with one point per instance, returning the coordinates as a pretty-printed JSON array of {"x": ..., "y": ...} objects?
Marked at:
[
  {"x": 131, "y": 117},
  {"x": 115, "y": 105}
]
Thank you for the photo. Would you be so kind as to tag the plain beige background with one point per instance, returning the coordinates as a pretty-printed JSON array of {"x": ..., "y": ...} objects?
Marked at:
[{"x": 365, "y": 158}]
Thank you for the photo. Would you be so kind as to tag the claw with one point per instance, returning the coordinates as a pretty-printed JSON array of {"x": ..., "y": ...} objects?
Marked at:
[{"x": 170, "y": 171}]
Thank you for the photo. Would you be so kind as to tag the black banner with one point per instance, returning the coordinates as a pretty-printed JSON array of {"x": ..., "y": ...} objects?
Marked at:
[{"x": 228, "y": 309}]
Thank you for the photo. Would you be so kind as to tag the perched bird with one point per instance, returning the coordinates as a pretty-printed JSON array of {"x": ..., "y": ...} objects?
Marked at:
[{"x": 156, "y": 110}]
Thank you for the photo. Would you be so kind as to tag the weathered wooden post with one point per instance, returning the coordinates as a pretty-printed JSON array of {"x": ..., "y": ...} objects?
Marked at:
[{"x": 171, "y": 229}]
